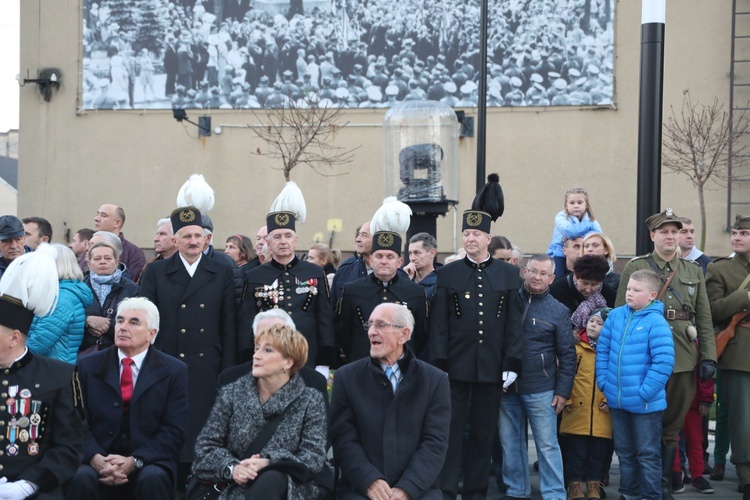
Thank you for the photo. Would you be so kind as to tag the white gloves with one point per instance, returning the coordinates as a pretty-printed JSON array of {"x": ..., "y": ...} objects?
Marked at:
[
  {"x": 17, "y": 490},
  {"x": 509, "y": 378}
]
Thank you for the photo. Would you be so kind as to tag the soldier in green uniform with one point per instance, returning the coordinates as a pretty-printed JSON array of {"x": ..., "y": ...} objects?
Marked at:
[
  {"x": 688, "y": 313},
  {"x": 728, "y": 288}
]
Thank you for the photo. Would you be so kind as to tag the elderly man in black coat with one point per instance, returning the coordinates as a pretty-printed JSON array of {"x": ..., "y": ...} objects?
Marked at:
[
  {"x": 390, "y": 416},
  {"x": 136, "y": 413},
  {"x": 196, "y": 300}
]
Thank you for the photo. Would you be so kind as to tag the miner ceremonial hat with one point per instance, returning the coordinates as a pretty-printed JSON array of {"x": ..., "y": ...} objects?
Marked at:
[
  {"x": 391, "y": 219},
  {"x": 488, "y": 206},
  {"x": 386, "y": 240},
  {"x": 287, "y": 209},
  {"x": 741, "y": 222},
  {"x": 185, "y": 216},
  {"x": 667, "y": 216},
  {"x": 29, "y": 287}
]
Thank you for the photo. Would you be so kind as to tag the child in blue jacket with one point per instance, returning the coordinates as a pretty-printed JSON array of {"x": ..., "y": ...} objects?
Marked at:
[{"x": 634, "y": 359}]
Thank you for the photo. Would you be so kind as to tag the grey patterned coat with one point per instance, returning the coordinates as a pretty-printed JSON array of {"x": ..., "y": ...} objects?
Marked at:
[{"x": 237, "y": 417}]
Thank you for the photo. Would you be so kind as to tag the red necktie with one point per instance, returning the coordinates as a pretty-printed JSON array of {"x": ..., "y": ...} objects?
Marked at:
[{"x": 126, "y": 381}]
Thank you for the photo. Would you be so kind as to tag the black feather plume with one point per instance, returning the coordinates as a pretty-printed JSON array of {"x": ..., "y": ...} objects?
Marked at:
[{"x": 490, "y": 198}]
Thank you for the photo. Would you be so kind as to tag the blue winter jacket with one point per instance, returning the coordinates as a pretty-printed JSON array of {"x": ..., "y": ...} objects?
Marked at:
[
  {"x": 634, "y": 358},
  {"x": 58, "y": 335},
  {"x": 570, "y": 227}
]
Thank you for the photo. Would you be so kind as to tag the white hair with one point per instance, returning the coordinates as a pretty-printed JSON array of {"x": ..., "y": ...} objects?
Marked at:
[{"x": 145, "y": 305}]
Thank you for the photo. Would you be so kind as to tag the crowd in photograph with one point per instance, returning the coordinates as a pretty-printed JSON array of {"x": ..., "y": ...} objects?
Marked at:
[{"x": 356, "y": 54}]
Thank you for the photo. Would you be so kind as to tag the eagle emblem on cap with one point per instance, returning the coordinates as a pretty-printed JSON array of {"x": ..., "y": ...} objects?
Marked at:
[
  {"x": 474, "y": 219},
  {"x": 281, "y": 219},
  {"x": 187, "y": 216},
  {"x": 385, "y": 240},
  {"x": 669, "y": 213}
]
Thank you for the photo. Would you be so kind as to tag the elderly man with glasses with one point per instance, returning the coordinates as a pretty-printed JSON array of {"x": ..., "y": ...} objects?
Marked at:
[
  {"x": 390, "y": 415},
  {"x": 384, "y": 285}
]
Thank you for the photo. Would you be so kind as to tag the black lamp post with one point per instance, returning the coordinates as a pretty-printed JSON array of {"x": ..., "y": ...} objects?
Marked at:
[{"x": 650, "y": 119}]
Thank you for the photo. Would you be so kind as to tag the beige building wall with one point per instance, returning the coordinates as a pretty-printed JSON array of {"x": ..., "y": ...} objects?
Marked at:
[
  {"x": 8, "y": 199},
  {"x": 71, "y": 163}
]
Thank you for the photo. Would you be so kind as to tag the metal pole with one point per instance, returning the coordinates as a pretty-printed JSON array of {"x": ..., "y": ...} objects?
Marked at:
[
  {"x": 650, "y": 119},
  {"x": 482, "y": 104}
]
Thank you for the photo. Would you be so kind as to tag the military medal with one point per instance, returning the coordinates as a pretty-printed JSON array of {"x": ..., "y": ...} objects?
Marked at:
[
  {"x": 23, "y": 436},
  {"x": 12, "y": 449},
  {"x": 35, "y": 419},
  {"x": 33, "y": 448},
  {"x": 24, "y": 403},
  {"x": 11, "y": 402},
  {"x": 23, "y": 422}
]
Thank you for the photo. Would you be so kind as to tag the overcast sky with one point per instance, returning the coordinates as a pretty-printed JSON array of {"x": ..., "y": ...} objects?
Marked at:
[{"x": 10, "y": 37}]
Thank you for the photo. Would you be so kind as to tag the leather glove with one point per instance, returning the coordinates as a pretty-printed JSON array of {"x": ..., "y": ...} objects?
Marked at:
[
  {"x": 16, "y": 490},
  {"x": 509, "y": 378},
  {"x": 706, "y": 370}
]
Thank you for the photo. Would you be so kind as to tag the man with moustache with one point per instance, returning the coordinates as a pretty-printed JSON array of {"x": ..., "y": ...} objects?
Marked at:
[
  {"x": 12, "y": 241},
  {"x": 196, "y": 301}
]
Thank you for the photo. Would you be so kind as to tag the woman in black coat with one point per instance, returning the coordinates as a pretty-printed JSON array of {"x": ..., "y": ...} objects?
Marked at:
[{"x": 110, "y": 288}]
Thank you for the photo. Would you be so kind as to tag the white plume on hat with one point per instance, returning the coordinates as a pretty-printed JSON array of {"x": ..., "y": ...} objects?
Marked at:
[
  {"x": 196, "y": 193},
  {"x": 393, "y": 215},
  {"x": 32, "y": 279},
  {"x": 290, "y": 199}
]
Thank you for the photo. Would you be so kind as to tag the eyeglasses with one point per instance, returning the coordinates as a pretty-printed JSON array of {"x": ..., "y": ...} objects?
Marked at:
[
  {"x": 379, "y": 325},
  {"x": 534, "y": 272}
]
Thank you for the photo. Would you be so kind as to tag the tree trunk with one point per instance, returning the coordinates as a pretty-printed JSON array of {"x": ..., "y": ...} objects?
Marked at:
[{"x": 702, "y": 201}]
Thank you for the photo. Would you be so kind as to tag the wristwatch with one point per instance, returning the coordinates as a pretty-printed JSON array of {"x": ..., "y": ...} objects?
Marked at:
[
  {"x": 230, "y": 471},
  {"x": 138, "y": 463}
]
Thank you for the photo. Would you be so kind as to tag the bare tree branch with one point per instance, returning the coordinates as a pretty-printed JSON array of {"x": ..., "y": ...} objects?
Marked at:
[
  {"x": 302, "y": 133},
  {"x": 697, "y": 144}
]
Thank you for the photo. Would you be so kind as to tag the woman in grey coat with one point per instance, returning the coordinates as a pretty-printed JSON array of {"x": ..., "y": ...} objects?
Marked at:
[{"x": 241, "y": 410}]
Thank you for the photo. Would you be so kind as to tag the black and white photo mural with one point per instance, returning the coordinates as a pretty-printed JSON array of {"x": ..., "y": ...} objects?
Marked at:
[{"x": 250, "y": 54}]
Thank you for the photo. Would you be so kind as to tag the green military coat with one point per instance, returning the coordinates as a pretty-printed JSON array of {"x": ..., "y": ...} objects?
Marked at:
[
  {"x": 690, "y": 284},
  {"x": 723, "y": 278}
]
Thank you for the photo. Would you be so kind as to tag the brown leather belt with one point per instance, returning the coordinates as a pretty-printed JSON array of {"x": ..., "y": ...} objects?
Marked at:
[{"x": 671, "y": 314}]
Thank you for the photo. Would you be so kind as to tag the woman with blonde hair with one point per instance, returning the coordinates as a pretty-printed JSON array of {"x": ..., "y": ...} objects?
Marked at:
[
  {"x": 266, "y": 434},
  {"x": 600, "y": 244},
  {"x": 110, "y": 288},
  {"x": 324, "y": 256},
  {"x": 59, "y": 334}
]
